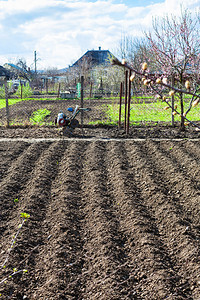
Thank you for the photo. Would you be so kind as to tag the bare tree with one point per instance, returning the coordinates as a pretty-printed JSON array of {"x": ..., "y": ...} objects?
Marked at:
[
  {"x": 51, "y": 72},
  {"x": 133, "y": 50},
  {"x": 24, "y": 70},
  {"x": 22, "y": 64},
  {"x": 174, "y": 50}
]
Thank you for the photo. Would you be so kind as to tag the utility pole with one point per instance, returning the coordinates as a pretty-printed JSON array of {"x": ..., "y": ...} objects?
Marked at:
[{"x": 35, "y": 61}]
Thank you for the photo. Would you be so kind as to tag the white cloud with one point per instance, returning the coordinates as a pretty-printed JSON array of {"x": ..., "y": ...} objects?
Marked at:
[
  {"x": 15, "y": 6},
  {"x": 62, "y": 30}
]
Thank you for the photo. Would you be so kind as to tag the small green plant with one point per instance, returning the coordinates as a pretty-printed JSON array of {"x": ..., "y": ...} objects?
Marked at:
[
  {"x": 25, "y": 216},
  {"x": 3, "y": 266},
  {"x": 38, "y": 116}
]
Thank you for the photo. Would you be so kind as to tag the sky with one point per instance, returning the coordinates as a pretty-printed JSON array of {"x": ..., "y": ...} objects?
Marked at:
[{"x": 61, "y": 31}]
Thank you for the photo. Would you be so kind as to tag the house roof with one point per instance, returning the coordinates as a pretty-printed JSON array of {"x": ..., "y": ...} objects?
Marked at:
[
  {"x": 12, "y": 66},
  {"x": 95, "y": 57},
  {"x": 4, "y": 72}
]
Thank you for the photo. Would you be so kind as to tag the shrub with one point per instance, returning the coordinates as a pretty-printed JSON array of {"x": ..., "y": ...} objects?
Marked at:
[{"x": 26, "y": 91}]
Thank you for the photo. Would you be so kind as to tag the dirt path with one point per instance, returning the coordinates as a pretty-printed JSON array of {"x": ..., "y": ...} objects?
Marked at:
[{"x": 109, "y": 219}]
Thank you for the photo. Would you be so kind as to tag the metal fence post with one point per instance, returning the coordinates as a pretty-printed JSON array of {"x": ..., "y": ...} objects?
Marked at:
[{"x": 7, "y": 106}]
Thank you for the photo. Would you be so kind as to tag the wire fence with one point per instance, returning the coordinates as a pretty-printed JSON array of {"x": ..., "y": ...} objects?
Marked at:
[{"x": 41, "y": 109}]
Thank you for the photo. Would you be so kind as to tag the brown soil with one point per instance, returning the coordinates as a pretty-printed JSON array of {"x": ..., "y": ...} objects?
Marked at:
[
  {"x": 108, "y": 219},
  {"x": 100, "y": 131}
]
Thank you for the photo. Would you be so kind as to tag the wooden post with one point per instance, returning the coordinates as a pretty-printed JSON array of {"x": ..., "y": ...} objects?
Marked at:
[
  {"x": 82, "y": 82},
  {"x": 21, "y": 89},
  {"x": 91, "y": 86},
  {"x": 129, "y": 103},
  {"x": 7, "y": 106},
  {"x": 59, "y": 90},
  {"x": 125, "y": 98},
  {"x": 91, "y": 89},
  {"x": 47, "y": 85},
  {"x": 120, "y": 104}
]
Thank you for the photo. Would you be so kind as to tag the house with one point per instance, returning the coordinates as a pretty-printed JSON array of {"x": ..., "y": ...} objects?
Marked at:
[
  {"x": 95, "y": 66},
  {"x": 17, "y": 71},
  {"x": 95, "y": 58}
]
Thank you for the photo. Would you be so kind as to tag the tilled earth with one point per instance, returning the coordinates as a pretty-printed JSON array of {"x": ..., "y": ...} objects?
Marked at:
[{"x": 108, "y": 219}]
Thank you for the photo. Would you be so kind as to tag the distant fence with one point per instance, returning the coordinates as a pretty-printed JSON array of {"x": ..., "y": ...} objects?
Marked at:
[{"x": 42, "y": 109}]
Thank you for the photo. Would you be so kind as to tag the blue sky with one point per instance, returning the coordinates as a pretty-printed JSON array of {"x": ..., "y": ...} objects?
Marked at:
[{"x": 63, "y": 30}]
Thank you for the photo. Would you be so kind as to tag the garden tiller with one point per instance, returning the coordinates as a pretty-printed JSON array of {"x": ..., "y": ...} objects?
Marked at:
[{"x": 69, "y": 123}]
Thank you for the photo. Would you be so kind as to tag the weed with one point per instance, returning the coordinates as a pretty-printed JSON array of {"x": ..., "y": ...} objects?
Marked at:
[
  {"x": 39, "y": 116},
  {"x": 26, "y": 91}
]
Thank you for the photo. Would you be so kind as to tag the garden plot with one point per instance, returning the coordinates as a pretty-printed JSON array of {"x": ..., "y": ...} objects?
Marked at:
[{"x": 108, "y": 219}]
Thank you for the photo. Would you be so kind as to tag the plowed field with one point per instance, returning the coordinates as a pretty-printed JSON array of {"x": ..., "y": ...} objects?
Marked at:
[{"x": 108, "y": 219}]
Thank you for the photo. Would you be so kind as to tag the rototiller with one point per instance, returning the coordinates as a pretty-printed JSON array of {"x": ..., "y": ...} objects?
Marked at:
[{"x": 69, "y": 123}]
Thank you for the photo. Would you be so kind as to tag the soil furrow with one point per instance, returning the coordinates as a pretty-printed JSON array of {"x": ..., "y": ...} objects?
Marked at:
[
  {"x": 36, "y": 194},
  {"x": 179, "y": 164},
  {"x": 156, "y": 172},
  {"x": 109, "y": 219},
  {"x": 187, "y": 161},
  {"x": 62, "y": 250},
  {"x": 189, "y": 172},
  {"x": 17, "y": 178},
  {"x": 8, "y": 153},
  {"x": 106, "y": 267},
  {"x": 192, "y": 148},
  {"x": 180, "y": 184},
  {"x": 153, "y": 270}
]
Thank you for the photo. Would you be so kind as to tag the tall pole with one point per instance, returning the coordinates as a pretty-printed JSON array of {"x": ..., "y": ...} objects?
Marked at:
[{"x": 35, "y": 61}]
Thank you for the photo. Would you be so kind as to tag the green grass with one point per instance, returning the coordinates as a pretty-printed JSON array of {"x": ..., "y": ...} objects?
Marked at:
[
  {"x": 13, "y": 101},
  {"x": 146, "y": 112},
  {"x": 10, "y": 102}
]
